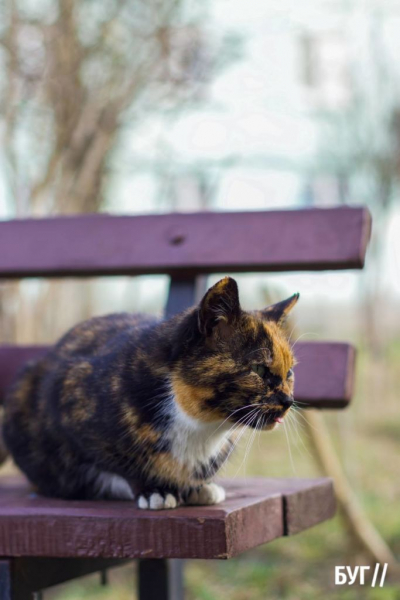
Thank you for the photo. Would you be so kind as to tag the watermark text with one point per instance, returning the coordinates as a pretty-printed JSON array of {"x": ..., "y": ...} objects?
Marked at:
[{"x": 361, "y": 575}]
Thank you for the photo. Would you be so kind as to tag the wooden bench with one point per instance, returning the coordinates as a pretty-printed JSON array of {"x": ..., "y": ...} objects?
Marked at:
[{"x": 45, "y": 541}]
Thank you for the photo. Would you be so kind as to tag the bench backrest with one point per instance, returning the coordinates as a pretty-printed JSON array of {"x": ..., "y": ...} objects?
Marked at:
[{"x": 187, "y": 246}]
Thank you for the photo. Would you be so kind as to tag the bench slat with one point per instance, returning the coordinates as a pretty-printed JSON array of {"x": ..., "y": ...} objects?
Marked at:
[
  {"x": 91, "y": 245},
  {"x": 256, "y": 511},
  {"x": 324, "y": 375}
]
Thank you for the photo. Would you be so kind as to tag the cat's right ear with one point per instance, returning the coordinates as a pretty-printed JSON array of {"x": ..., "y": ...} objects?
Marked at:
[
  {"x": 220, "y": 306},
  {"x": 278, "y": 312}
]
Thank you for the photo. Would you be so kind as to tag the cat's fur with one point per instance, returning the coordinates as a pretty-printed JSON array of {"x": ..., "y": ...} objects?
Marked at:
[{"x": 125, "y": 406}]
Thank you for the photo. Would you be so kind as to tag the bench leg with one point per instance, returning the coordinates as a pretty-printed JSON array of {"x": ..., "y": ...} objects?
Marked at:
[
  {"x": 161, "y": 579},
  {"x": 11, "y": 586}
]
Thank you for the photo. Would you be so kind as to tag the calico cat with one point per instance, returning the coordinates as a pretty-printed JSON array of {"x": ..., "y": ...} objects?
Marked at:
[{"x": 129, "y": 407}]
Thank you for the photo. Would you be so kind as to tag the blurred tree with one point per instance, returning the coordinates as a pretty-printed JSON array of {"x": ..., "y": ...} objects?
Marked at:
[
  {"x": 76, "y": 69},
  {"x": 360, "y": 144},
  {"x": 75, "y": 72}
]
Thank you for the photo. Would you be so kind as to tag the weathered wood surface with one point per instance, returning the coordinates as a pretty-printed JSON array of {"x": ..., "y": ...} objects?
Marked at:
[
  {"x": 290, "y": 240},
  {"x": 256, "y": 511},
  {"x": 324, "y": 375}
]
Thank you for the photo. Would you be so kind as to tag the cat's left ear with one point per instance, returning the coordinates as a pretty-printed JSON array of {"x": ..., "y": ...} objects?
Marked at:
[
  {"x": 220, "y": 306},
  {"x": 279, "y": 311}
]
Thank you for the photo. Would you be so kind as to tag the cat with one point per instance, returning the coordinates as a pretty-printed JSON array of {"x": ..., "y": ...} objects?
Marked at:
[{"x": 130, "y": 407}]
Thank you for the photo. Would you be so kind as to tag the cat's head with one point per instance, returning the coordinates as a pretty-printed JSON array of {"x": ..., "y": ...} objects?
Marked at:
[{"x": 234, "y": 364}]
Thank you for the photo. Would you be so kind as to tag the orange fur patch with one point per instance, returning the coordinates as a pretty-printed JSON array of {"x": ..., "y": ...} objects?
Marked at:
[
  {"x": 282, "y": 358},
  {"x": 191, "y": 399},
  {"x": 170, "y": 469}
]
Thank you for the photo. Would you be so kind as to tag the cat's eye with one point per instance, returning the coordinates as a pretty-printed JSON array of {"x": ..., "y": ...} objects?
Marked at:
[
  {"x": 259, "y": 369},
  {"x": 289, "y": 374}
]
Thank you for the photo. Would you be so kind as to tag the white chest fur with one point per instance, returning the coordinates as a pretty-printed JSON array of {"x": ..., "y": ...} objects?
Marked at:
[{"x": 194, "y": 443}]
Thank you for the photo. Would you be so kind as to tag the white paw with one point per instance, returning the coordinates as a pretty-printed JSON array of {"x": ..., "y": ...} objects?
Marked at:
[
  {"x": 170, "y": 501},
  {"x": 157, "y": 502},
  {"x": 209, "y": 493}
]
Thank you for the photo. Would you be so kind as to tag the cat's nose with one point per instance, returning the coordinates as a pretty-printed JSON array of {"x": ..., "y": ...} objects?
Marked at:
[{"x": 285, "y": 400}]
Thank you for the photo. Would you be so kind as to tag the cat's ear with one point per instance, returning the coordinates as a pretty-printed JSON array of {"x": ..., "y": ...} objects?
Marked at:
[
  {"x": 279, "y": 311},
  {"x": 220, "y": 306}
]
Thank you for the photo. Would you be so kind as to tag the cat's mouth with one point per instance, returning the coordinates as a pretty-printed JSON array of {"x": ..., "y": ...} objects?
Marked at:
[
  {"x": 270, "y": 420},
  {"x": 263, "y": 417},
  {"x": 275, "y": 418}
]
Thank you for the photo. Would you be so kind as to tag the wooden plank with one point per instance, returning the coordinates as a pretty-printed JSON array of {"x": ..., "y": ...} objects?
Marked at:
[
  {"x": 252, "y": 514},
  {"x": 324, "y": 375},
  {"x": 290, "y": 240},
  {"x": 36, "y": 526},
  {"x": 302, "y": 508}
]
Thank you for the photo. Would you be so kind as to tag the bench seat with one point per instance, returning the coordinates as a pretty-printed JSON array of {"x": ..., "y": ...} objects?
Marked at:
[{"x": 256, "y": 511}]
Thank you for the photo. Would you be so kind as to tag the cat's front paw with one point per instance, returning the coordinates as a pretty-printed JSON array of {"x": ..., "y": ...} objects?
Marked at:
[
  {"x": 208, "y": 493},
  {"x": 157, "y": 501}
]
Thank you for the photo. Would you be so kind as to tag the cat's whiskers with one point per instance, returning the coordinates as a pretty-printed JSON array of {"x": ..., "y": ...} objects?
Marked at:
[
  {"x": 258, "y": 428},
  {"x": 241, "y": 424},
  {"x": 291, "y": 419},
  {"x": 251, "y": 441},
  {"x": 293, "y": 416},
  {"x": 302, "y": 335},
  {"x": 298, "y": 412},
  {"x": 243, "y": 432},
  {"x": 263, "y": 418},
  {"x": 297, "y": 402},
  {"x": 249, "y": 424},
  {"x": 261, "y": 428},
  {"x": 291, "y": 430},
  {"x": 291, "y": 333},
  {"x": 231, "y": 414},
  {"x": 289, "y": 448},
  {"x": 214, "y": 459}
]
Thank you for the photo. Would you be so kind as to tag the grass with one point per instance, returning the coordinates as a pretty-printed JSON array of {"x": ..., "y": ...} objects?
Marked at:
[{"x": 367, "y": 437}]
